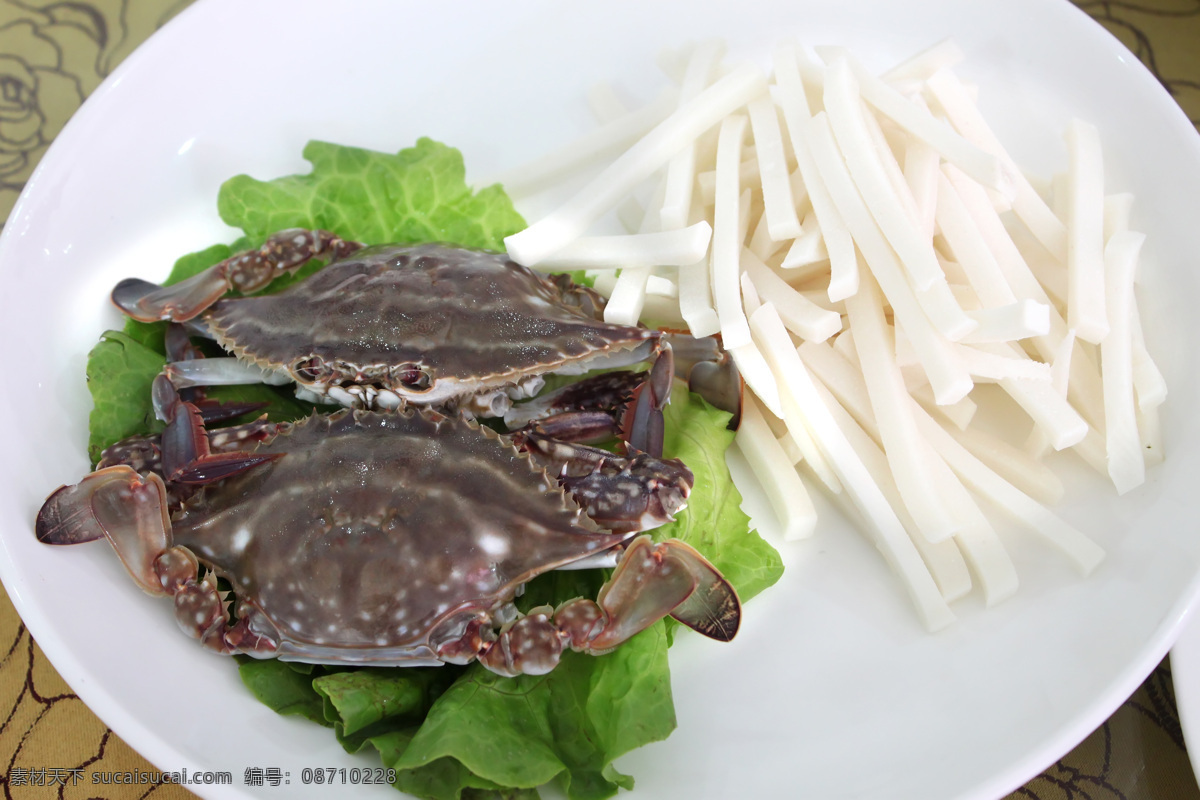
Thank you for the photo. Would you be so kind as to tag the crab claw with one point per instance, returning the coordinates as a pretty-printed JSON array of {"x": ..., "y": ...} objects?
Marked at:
[
  {"x": 130, "y": 511},
  {"x": 187, "y": 455},
  {"x": 642, "y": 426},
  {"x": 149, "y": 302},
  {"x": 709, "y": 371},
  {"x": 650, "y": 581},
  {"x": 118, "y": 504}
]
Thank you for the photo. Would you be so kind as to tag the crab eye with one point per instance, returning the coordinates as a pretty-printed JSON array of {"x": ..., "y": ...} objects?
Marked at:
[
  {"x": 311, "y": 370},
  {"x": 412, "y": 377}
]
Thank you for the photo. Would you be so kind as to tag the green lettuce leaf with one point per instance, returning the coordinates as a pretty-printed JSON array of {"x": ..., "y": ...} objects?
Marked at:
[
  {"x": 697, "y": 433},
  {"x": 417, "y": 195},
  {"x": 284, "y": 688},
  {"x": 120, "y": 370}
]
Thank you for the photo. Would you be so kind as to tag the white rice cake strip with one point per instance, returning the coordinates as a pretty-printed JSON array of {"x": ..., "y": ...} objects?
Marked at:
[
  {"x": 1151, "y": 432},
  {"x": 1003, "y": 249},
  {"x": 631, "y": 213},
  {"x": 892, "y": 411},
  {"x": 997, "y": 363},
  {"x": 921, "y": 172},
  {"x": 695, "y": 292},
  {"x": 820, "y": 299},
  {"x": 1092, "y": 451},
  {"x": 1085, "y": 392},
  {"x": 1048, "y": 409},
  {"x": 957, "y": 414},
  {"x": 970, "y": 249},
  {"x": 937, "y": 302},
  {"x": 885, "y": 529},
  {"x": 1117, "y": 210},
  {"x": 943, "y": 559},
  {"x": 781, "y": 483},
  {"x": 661, "y": 285},
  {"x": 886, "y": 151},
  {"x": 763, "y": 372},
  {"x": 779, "y": 428},
  {"x": 600, "y": 144},
  {"x": 1012, "y": 463},
  {"x": 1085, "y": 234},
  {"x": 801, "y": 316},
  {"x": 1019, "y": 320},
  {"x": 845, "y": 114},
  {"x": 758, "y": 376},
  {"x": 567, "y": 223},
  {"x": 976, "y": 538},
  {"x": 916, "y": 119},
  {"x": 724, "y": 265},
  {"x": 1084, "y": 553},
  {"x": 843, "y": 265},
  {"x": 680, "y": 247},
  {"x": 779, "y": 208},
  {"x": 1148, "y": 381},
  {"x": 627, "y": 300},
  {"x": 1027, "y": 204},
  {"x": 806, "y": 250},
  {"x": 950, "y": 379},
  {"x": 660, "y": 311},
  {"x": 761, "y": 243},
  {"x": 919, "y": 67},
  {"x": 1126, "y": 463},
  {"x": 681, "y": 169},
  {"x": 706, "y": 181},
  {"x": 750, "y": 297}
]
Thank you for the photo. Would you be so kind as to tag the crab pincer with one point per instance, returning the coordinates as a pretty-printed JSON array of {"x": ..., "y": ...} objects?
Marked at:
[
  {"x": 130, "y": 511},
  {"x": 187, "y": 456},
  {"x": 650, "y": 579}
]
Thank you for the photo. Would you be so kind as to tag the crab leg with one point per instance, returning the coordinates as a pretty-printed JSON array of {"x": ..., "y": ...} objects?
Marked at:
[
  {"x": 642, "y": 425},
  {"x": 625, "y": 494},
  {"x": 247, "y": 272},
  {"x": 186, "y": 454},
  {"x": 179, "y": 349},
  {"x": 130, "y": 511},
  {"x": 577, "y": 412},
  {"x": 650, "y": 581},
  {"x": 708, "y": 370},
  {"x": 608, "y": 392}
]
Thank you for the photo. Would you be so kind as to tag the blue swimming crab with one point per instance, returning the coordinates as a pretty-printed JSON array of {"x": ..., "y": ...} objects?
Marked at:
[
  {"x": 399, "y": 537},
  {"x": 386, "y": 326}
]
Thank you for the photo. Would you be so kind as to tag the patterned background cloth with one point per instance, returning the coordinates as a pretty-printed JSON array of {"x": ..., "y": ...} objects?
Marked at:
[{"x": 53, "y": 53}]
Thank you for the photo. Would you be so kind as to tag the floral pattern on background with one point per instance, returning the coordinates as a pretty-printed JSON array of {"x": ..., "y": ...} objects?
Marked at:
[
  {"x": 1147, "y": 27},
  {"x": 54, "y": 54}
]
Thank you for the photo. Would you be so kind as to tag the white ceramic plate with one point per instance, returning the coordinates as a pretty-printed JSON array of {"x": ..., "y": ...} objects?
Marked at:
[
  {"x": 1185, "y": 675},
  {"x": 831, "y": 690}
]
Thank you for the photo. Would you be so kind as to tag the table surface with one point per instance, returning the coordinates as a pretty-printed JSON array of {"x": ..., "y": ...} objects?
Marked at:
[{"x": 52, "y": 54}]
